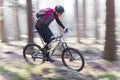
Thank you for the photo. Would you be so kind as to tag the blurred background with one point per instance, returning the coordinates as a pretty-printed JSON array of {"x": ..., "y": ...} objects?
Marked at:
[
  {"x": 94, "y": 29},
  {"x": 86, "y": 19},
  {"x": 90, "y": 17}
]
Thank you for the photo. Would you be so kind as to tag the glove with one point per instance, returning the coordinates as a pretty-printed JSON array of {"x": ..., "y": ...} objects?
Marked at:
[{"x": 65, "y": 30}]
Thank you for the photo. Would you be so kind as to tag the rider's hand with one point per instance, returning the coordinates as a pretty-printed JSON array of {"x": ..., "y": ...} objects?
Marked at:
[{"x": 65, "y": 30}]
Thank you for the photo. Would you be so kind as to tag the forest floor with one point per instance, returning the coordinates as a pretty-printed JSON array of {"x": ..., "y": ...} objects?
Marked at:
[{"x": 14, "y": 67}]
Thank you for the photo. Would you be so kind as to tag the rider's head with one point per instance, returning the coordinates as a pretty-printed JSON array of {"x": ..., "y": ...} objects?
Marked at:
[{"x": 59, "y": 10}]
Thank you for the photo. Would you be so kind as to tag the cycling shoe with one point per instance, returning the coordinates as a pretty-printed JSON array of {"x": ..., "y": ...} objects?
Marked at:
[{"x": 50, "y": 59}]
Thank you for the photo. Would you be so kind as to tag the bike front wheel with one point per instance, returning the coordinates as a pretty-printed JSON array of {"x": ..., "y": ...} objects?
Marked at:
[
  {"x": 73, "y": 59},
  {"x": 33, "y": 54}
]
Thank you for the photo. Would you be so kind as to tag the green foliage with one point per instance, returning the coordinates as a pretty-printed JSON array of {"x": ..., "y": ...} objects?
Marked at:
[
  {"x": 107, "y": 77},
  {"x": 13, "y": 75}
]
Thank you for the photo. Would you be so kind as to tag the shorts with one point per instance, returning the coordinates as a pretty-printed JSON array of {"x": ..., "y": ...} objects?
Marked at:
[{"x": 45, "y": 32}]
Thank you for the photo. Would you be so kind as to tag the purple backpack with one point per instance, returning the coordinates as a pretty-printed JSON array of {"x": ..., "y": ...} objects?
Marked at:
[{"x": 44, "y": 12}]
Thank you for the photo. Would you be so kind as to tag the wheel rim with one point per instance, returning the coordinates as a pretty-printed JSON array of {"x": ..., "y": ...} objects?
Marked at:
[
  {"x": 33, "y": 55},
  {"x": 74, "y": 61}
]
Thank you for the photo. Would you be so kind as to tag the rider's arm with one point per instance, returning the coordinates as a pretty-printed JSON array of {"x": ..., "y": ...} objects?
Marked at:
[{"x": 59, "y": 22}]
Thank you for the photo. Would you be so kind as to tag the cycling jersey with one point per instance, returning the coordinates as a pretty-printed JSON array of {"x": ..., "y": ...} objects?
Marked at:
[
  {"x": 48, "y": 17},
  {"x": 44, "y": 20}
]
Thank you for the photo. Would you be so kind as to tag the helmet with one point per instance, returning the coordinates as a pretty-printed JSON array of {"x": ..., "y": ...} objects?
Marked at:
[{"x": 59, "y": 9}]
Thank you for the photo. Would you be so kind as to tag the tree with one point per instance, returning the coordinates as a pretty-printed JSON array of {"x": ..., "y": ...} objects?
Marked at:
[
  {"x": 77, "y": 18},
  {"x": 84, "y": 18},
  {"x": 3, "y": 31},
  {"x": 30, "y": 21},
  {"x": 110, "y": 42},
  {"x": 16, "y": 23},
  {"x": 96, "y": 13}
]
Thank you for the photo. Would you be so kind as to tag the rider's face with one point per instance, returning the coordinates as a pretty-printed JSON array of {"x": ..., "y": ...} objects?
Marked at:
[{"x": 59, "y": 14}]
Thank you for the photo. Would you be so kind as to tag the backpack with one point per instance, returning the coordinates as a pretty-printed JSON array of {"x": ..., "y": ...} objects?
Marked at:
[{"x": 43, "y": 12}]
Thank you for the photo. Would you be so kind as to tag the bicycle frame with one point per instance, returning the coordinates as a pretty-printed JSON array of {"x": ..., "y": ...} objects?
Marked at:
[
  {"x": 70, "y": 57},
  {"x": 60, "y": 41}
]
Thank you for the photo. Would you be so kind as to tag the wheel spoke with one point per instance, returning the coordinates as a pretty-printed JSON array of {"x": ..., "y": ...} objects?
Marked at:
[
  {"x": 73, "y": 59},
  {"x": 33, "y": 54}
]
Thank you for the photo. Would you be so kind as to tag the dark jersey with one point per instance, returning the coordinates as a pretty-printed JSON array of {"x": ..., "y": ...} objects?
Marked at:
[{"x": 48, "y": 17}]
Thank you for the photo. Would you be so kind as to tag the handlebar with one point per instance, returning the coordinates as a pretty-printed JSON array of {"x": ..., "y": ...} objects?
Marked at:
[{"x": 64, "y": 31}]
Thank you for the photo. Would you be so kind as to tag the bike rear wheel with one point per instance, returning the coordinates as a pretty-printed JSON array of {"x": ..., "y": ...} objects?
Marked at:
[
  {"x": 33, "y": 54},
  {"x": 73, "y": 59}
]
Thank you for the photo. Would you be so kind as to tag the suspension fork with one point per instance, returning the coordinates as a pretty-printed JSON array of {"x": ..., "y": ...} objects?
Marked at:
[{"x": 65, "y": 46}]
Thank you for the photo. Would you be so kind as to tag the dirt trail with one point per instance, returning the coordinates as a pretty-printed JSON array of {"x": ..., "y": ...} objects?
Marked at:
[{"x": 13, "y": 67}]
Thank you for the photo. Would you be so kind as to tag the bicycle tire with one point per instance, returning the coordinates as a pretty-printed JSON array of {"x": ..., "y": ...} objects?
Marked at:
[
  {"x": 29, "y": 50},
  {"x": 76, "y": 65}
]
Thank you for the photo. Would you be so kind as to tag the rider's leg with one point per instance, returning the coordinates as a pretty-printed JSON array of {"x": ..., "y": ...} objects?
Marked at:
[
  {"x": 46, "y": 34},
  {"x": 49, "y": 58},
  {"x": 49, "y": 35}
]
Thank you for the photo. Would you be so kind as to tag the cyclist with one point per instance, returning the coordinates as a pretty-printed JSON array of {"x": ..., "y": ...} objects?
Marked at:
[{"x": 45, "y": 17}]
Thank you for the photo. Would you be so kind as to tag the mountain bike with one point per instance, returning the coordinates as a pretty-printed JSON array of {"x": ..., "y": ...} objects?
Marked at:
[{"x": 71, "y": 58}]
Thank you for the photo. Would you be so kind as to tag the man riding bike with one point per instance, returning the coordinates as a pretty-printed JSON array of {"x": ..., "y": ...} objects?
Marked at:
[{"x": 45, "y": 17}]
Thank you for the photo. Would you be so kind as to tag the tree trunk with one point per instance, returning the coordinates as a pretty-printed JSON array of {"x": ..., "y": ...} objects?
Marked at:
[
  {"x": 2, "y": 26},
  {"x": 17, "y": 30},
  {"x": 77, "y": 20},
  {"x": 96, "y": 13},
  {"x": 16, "y": 24},
  {"x": 30, "y": 21},
  {"x": 110, "y": 44},
  {"x": 84, "y": 19}
]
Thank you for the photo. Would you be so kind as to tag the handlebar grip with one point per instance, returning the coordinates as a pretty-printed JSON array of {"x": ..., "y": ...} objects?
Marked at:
[{"x": 65, "y": 30}]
